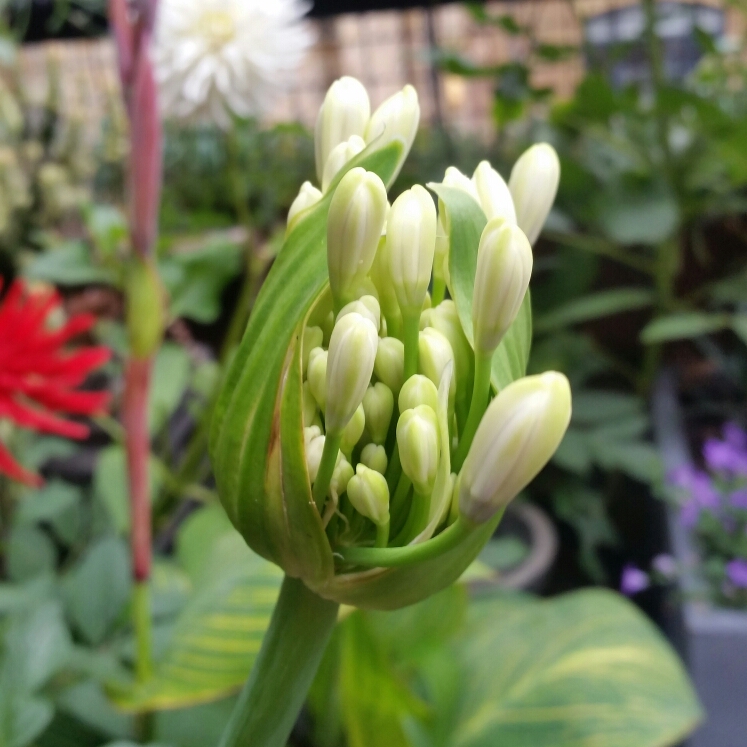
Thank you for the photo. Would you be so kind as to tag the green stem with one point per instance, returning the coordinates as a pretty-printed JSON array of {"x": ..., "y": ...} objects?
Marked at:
[
  {"x": 286, "y": 665},
  {"x": 395, "y": 557},
  {"x": 411, "y": 323},
  {"x": 416, "y": 519},
  {"x": 439, "y": 291},
  {"x": 382, "y": 535},
  {"x": 143, "y": 631},
  {"x": 398, "y": 499},
  {"x": 480, "y": 393},
  {"x": 394, "y": 469},
  {"x": 326, "y": 469}
]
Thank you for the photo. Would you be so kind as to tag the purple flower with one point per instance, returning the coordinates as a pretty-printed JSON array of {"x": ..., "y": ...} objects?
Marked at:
[
  {"x": 689, "y": 514},
  {"x": 736, "y": 570},
  {"x": 738, "y": 499},
  {"x": 682, "y": 476},
  {"x": 633, "y": 580},
  {"x": 703, "y": 492},
  {"x": 666, "y": 566},
  {"x": 735, "y": 436}
]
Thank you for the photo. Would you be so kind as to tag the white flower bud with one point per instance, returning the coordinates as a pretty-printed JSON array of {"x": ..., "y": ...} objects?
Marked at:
[
  {"x": 418, "y": 390},
  {"x": 390, "y": 363},
  {"x": 345, "y": 112},
  {"x": 435, "y": 354},
  {"x": 396, "y": 119},
  {"x": 445, "y": 319},
  {"x": 350, "y": 363},
  {"x": 310, "y": 433},
  {"x": 341, "y": 477},
  {"x": 313, "y": 337},
  {"x": 381, "y": 277},
  {"x": 418, "y": 441},
  {"x": 378, "y": 404},
  {"x": 494, "y": 195},
  {"x": 520, "y": 431},
  {"x": 411, "y": 244},
  {"x": 374, "y": 456},
  {"x": 308, "y": 196},
  {"x": 317, "y": 375},
  {"x": 340, "y": 155},
  {"x": 366, "y": 306},
  {"x": 369, "y": 494},
  {"x": 534, "y": 184},
  {"x": 456, "y": 179},
  {"x": 310, "y": 409},
  {"x": 504, "y": 268},
  {"x": 314, "y": 450},
  {"x": 353, "y": 431},
  {"x": 356, "y": 216}
]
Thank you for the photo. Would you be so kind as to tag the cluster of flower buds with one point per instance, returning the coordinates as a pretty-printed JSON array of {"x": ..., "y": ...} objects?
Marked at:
[{"x": 410, "y": 454}]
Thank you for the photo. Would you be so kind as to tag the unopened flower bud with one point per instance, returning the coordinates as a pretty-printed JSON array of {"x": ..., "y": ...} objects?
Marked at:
[
  {"x": 350, "y": 364},
  {"x": 317, "y": 375},
  {"x": 418, "y": 390},
  {"x": 445, "y": 319},
  {"x": 494, "y": 195},
  {"x": 366, "y": 306},
  {"x": 396, "y": 119},
  {"x": 534, "y": 184},
  {"x": 310, "y": 409},
  {"x": 341, "y": 477},
  {"x": 369, "y": 494},
  {"x": 339, "y": 156},
  {"x": 310, "y": 433},
  {"x": 353, "y": 431},
  {"x": 314, "y": 450},
  {"x": 378, "y": 404},
  {"x": 520, "y": 431},
  {"x": 345, "y": 112},
  {"x": 458, "y": 180},
  {"x": 435, "y": 355},
  {"x": 411, "y": 243},
  {"x": 313, "y": 337},
  {"x": 374, "y": 456},
  {"x": 418, "y": 441},
  {"x": 356, "y": 216},
  {"x": 381, "y": 278},
  {"x": 390, "y": 363},
  {"x": 504, "y": 268},
  {"x": 308, "y": 196}
]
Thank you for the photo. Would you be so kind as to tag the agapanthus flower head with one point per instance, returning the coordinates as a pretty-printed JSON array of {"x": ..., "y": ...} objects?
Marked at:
[
  {"x": 215, "y": 58},
  {"x": 39, "y": 375}
]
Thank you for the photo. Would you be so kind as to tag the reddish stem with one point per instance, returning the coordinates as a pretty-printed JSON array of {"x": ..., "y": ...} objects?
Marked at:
[{"x": 137, "y": 445}]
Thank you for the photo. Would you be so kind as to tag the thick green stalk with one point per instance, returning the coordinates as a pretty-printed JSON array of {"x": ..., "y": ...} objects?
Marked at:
[
  {"x": 285, "y": 667},
  {"x": 480, "y": 393},
  {"x": 326, "y": 469}
]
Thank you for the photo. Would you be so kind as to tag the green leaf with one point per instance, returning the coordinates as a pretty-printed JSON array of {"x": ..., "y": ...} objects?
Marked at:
[
  {"x": 171, "y": 373},
  {"x": 594, "y": 306},
  {"x": 601, "y": 407},
  {"x": 683, "y": 325},
  {"x": 57, "y": 503},
  {"x": 196, "y": 540},
  {"x": 467, "y": 224},
  {"x": 29, "y": 717},
  {"x": 739, "y": 325},
  {"x": 98, "y": 588},
  {"x": 30, "y": 553},
  {"x": 579, "y": 670},
  {"x": 217, "y": 635},
  {"x": 70, "y": 263}
]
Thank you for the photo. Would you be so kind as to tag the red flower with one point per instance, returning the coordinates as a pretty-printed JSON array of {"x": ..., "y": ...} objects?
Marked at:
[{"x": 38, "y": 375}]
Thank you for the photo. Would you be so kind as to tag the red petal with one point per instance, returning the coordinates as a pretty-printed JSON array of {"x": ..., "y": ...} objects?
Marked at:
[
  {"x": 10, "y": 467},
  {"x": 41, "y": 421}
]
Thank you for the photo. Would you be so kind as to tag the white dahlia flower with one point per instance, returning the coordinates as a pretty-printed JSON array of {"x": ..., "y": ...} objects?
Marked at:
[{"x": 216, "y": 57}]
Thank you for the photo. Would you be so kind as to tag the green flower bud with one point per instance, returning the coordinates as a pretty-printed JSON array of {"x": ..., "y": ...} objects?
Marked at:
[
  {"x": 374, "y": 457},
  {"x": 341, "y": 477},
  {"x": 356, "y": 216},
  {"x": 411, "y": 240},
  {"x": 339, "y": 156},
  {"x": 350, "y": 364},
  {"x": 378, "y": 404},
  {"x": 493, "y": 193},
  {"x": 366, "y": 306},
  {"x": 353, "y": 431},
  {"x": 534, "y": 184},
  {"x": 313, "y": 337},
  {"x": 390, "y": 363},
  {"x": 418, "y": 441},
  {"x": 418, "y": 390},
  {"x": 345, "y": 112},
  {"x": 520, "y": 431},
  {"x": 382, "y": 280},
  {"x": 396, "y": 119},
  {"x": 435, "y": 355},
  {"x": 369, "y": 494},
  {"x": 317, "y": 375},
  {"x": 308, "y": 196},
  {"x": 310, "y": 409},
  {"x": 504, "y": 268}
]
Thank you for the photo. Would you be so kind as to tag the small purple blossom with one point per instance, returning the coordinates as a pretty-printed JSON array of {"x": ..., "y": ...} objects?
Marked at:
[
  {"x": 735, "y": 436},
  {"x": 689, "y": 514},
  {"x": 736, "y": 570},
  {"x": 738, "y": 499},
  {"x": 666, "y": 566},
  {"x": 633, "y": 580}
]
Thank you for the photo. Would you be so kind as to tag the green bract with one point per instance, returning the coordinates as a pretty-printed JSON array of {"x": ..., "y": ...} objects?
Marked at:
[{"x": 257, "y": 440}]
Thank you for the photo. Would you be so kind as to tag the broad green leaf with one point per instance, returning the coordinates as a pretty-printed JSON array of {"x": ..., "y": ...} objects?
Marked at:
[
  {"x": 602, "y": 408},
  {"x": 70, "y": 263},
  {"x": 739, "y": 325},
  {"x": 97, "y": 589},
  {"x": 16, "y": 597},
  {"x": 29, "y": 716},
  {"x": 169, "y": 382},
  {"x": 467, "y": 224},
  {"x": 683, "y": 325},
  {"x": 67, "y": 731},
  {"x": 216, "y": 636},
  {"x": 197, "y": 537},
  {"x": 199, "y": 726},
  {"x": 29, "y": 553},
  {"x": 57, "y": 503},
  {"x": 580, "y": 670},
  {"x": 594, "y": 306},
  {"x": 87, "y": 702}
]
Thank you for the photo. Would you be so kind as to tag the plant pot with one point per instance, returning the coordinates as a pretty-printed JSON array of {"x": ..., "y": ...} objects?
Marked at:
[
  {"x": 714, "y": 640},
  {"x": 505, "y": 565}
]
